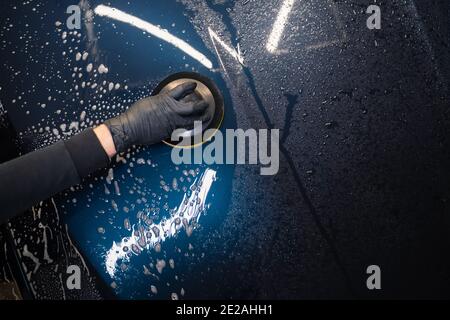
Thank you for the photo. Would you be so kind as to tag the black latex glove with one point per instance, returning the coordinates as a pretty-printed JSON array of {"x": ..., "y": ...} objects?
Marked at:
[{"x": 154, "y": 118}]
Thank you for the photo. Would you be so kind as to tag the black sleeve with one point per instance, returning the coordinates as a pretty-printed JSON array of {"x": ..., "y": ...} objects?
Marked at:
[{"x": 40, "y": 174}]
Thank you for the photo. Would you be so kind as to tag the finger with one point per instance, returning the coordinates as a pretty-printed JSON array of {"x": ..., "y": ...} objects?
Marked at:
[
  {"x": 206, "y": 117},
  {"x": 193, "y": 108},
  {"x": 192, "y": 97},
  {"x": 188, "y": 122},
  {"x": 200, "y": 107},
  {"x": 182, "y": 90}
]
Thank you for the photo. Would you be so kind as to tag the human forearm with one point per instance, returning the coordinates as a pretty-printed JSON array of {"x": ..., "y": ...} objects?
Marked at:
[
  {"x": 40, "y": 174},
  {"x": 104, "y": 136}
]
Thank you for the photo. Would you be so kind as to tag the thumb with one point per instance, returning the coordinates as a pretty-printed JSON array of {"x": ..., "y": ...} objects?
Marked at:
[{"x": 182, "y": 90}]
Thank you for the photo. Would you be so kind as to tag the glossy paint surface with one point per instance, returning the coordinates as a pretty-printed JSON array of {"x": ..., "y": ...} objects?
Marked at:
[{"x": 364, "y": 148}]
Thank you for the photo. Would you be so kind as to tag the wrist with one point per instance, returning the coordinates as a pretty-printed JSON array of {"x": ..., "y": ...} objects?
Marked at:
[{"x": 104, "y": 136}]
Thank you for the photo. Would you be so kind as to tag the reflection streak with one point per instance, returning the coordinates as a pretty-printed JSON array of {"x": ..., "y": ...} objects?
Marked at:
[
  {"x": 163, "y": 34},
  {"x": 236, "y": 54},
  {"x": 188, "y": 212},
  {"x": 279, "y": 26}
]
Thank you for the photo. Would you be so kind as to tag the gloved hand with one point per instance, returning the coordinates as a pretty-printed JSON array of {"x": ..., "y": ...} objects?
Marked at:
[{"x": 153, "y": 119}]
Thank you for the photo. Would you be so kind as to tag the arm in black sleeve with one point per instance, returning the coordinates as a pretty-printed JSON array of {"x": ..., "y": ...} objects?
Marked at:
[{"x": 41, "y": 174}]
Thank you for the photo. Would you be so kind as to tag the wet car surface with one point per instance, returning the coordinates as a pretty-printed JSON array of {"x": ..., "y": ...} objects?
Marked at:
[{"x": 364, "y": 174}]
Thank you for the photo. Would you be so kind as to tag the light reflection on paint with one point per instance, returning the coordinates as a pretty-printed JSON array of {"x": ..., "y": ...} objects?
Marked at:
[
  {"x": 236, "y": 54},
  {"x": 163, "y": 34},
  {"x": 189, "y": 211},
  {"x": 279, "y": 25},
  {"x": 88, "y": 18}
]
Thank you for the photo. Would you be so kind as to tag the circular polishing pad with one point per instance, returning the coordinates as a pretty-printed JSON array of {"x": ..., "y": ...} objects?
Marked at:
[{"x": 208, "y": 91}]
